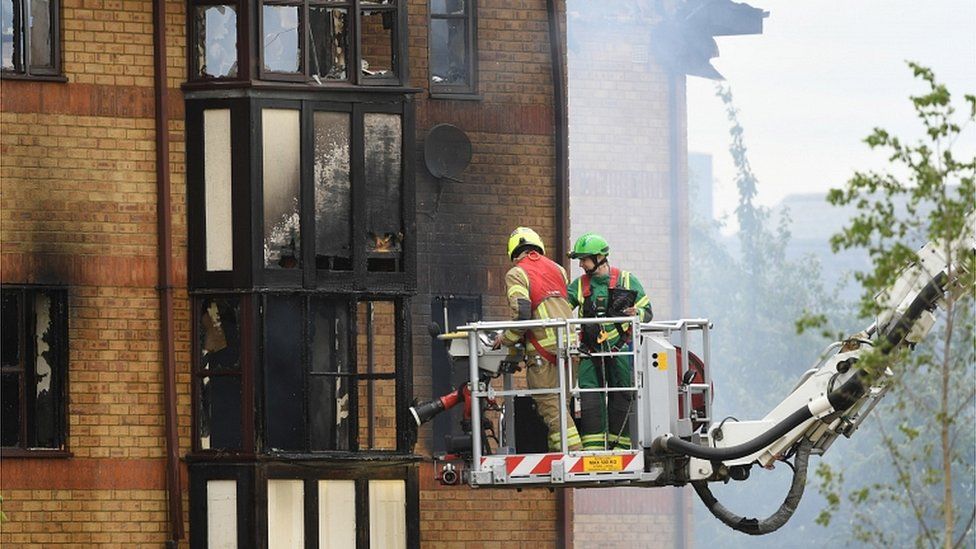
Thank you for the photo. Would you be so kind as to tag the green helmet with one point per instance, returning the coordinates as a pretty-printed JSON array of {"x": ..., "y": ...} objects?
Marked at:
[{"x": 590, "y": 244}]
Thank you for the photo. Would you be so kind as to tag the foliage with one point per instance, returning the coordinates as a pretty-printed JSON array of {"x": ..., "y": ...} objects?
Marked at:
[{"x": 922, "y": 492}]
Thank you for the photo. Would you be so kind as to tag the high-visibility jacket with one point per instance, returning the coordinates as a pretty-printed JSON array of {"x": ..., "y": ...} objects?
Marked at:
[
  {"x": 537, "y": 290},
  {"x": 595, "y": 290}
]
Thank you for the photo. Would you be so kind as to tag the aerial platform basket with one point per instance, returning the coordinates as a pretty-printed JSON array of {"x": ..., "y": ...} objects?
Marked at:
[{"x": 670, "y": 392}]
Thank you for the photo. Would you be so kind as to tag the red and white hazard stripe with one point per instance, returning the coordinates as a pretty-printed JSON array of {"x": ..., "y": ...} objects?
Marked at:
[{"x": 522, "y": 465}]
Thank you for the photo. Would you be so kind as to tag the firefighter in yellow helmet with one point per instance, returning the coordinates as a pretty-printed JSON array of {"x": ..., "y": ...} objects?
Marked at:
[
  {"x": 611, "y": 292},
  {"x": 537, "y": 290}
]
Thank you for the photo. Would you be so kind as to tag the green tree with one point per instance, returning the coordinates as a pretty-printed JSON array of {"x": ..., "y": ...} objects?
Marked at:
[{"x": 922, "y": 490}]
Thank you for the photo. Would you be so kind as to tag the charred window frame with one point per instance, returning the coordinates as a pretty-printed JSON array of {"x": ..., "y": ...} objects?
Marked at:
[
  {"x": 34, "y": 371},
  {"x": 340, "y": 211},
  {"x": 325, "y": 42},
  {"x": 217, "y": 30},
  {"x": 335, "y": 374},
  {"x": 222, "y": 383},
  {"x": 30, "y": 39},
  {"x": 453, "y": 49},
  {"x": 302, "y": 236}
]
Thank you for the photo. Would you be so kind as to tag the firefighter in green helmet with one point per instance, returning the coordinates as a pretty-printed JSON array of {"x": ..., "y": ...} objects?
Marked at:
[{"x": 605, "y": 291}]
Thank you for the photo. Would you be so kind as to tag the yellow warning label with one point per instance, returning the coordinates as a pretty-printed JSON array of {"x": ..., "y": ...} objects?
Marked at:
[
  {"x": 593, "y": 464},
  {"x": 662, "y": 361}
]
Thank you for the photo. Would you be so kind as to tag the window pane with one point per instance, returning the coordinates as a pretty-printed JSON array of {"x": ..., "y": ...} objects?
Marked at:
[
  {"x": 447, "y": 6},
  {"x": 377, "y": 43},
  {"x": 40, "y": 33},
  {"x": 284, "y": 373},
  {"x": 328, "y": 413},
  {"x": 337, "y": 514},
  {"x": 10, "y": 405},
  {"x": 46, "y": 372},
  {"x": 220, "y": 413},
  {"x": 220, "y": 335},
  {"x": 10, "y": 328},
  {"x": 328, "y": 395},
  {"x": 217, "y": 190},
  {"x": 387, "y": 514},
  {"x": 222, "y": 514},
  {"x": 281, "y": 150},
  {"x": 282, "y": 52},
  {"x": 333, "y": 192},
  {"x": 216, "y": 41},
  {"x": 330, "y": 335},
  {"x": 377, "y": 423},
  {"x": 376, "y": 326},
  {"x": 286, "y": 514},
  {"x": 329, "y": 35},
  {"x": 383, "y": 189},
  {"x": 10, "y": 36},
  {"x": 448, "y": 51}
]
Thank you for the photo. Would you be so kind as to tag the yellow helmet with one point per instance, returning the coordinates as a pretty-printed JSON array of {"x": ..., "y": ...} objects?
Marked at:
[{"x": 524, "y": 236}]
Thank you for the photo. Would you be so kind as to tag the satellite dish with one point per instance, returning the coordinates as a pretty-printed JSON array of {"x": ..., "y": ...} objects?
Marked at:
[{"x": 447, "y": 151}]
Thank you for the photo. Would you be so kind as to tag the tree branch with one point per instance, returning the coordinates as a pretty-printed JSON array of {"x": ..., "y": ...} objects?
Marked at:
[
  {"x": 896, "y": 461},
  {"x": 969, "y": 526}
]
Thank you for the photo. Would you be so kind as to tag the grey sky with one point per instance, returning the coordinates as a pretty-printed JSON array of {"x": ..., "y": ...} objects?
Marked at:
[{"x": 818, "y": 80}]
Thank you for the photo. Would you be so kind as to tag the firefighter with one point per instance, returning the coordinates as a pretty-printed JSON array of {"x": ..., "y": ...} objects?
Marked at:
[
  {"x": 605, "y": 291},
  {"x": 537, "y": 290}
]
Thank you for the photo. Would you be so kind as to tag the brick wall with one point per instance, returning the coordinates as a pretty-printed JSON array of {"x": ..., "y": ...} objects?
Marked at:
[
  {"x": 78, "y": 193},
  {"x": 463, "y": 229},
  {"x": 620, "y": 187},
  {"x": 620, "y": 153}
]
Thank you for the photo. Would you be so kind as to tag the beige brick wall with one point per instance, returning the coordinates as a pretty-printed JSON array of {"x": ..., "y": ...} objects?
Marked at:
[
  {"x": 78, "y": 208},
  {"x": 83, "y": 518}
]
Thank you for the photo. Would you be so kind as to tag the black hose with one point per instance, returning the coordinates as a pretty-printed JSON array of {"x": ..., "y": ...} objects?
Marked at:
[
  {"x": 758, "y": 527},
  {"x": 786, "y": 425}
]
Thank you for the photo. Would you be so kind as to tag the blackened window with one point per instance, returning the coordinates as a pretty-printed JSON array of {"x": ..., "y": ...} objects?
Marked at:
[
  {"x": 337, "y": 205},
  {"x": 453, "y": 46},
  {"x": 29, "y": 37},
  {"x": 330, "y": 374},
  {"x": 33, "y": 374},
  {"x": 218, "y": 373},
  {"x": 313, "y": 40}
]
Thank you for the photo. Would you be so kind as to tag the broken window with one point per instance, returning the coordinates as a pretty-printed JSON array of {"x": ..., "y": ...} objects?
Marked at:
[
  {"x": 329, "y": 374},
  {"x": 384, "y": 222},
  {"x": 333, "y": 192},
  {"x": 377, "y": 41},
  {"x": 219, "y": 374},
  {"x": 281, "y": 139},
  {"x": 29, "y": 37},
  {"x": 328, "y": 36},
  {"x": 313, "y": 40},
  {"x": 33, "y": 372},
  {"x": 281, "y": 49},
  {"x": 376, "y": 363},
  {"x": 453, "y": 29},
  {"x": 216, "y": 41}
]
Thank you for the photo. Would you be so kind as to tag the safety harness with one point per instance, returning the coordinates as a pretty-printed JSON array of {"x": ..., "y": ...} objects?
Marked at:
[{"x": 545, "y": 280}]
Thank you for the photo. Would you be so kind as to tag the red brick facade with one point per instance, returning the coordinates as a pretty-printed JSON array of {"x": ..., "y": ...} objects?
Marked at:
[{"x": 78, "y": 194}]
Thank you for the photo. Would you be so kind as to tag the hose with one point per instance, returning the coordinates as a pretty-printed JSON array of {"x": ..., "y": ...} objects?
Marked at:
[
  {"x": 758, "y": 527},
  {"x": 786, "y": 425}
]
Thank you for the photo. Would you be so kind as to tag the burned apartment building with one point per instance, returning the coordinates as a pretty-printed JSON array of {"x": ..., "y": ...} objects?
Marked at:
[{"x": 223, "y": 242}]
